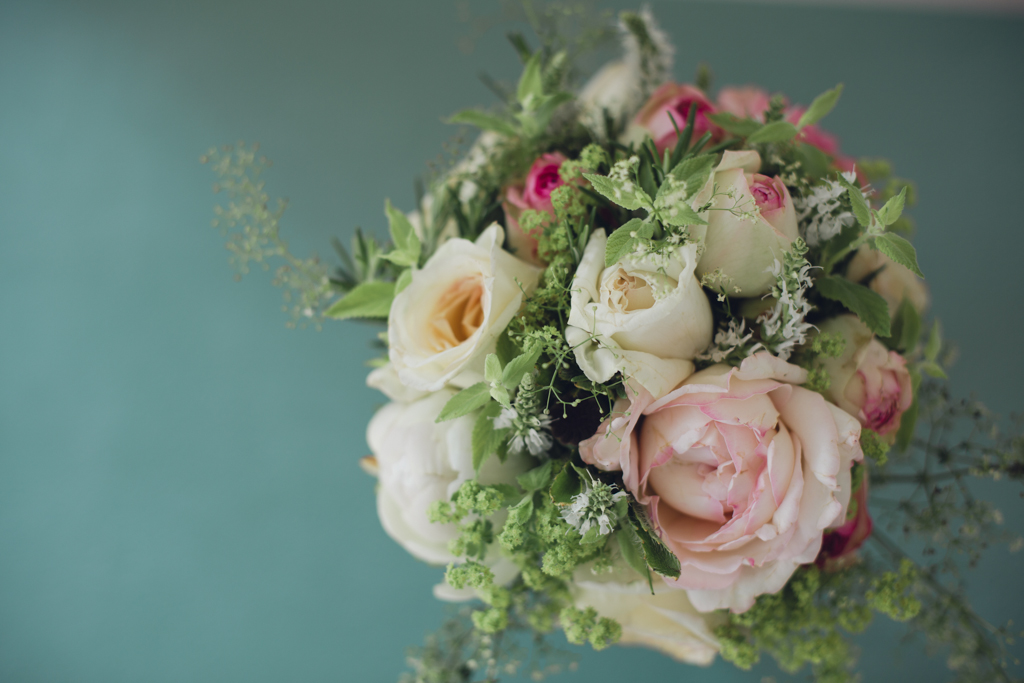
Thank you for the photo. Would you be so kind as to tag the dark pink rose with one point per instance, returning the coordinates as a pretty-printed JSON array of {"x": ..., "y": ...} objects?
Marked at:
[
  {"x": 839, "y": 545},
  {"x": 533, "y": 194},
  {"x": 672, "y": 102}
]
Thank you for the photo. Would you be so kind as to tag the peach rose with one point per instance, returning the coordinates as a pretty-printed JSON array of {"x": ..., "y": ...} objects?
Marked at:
[
  {"x": 443, "y": 325},
  {"x": 741, "y": 471},
  {"x": 867, "y": 380},
  {"x": 535, "y": 194},
  {"x": 672, "y": 102}
]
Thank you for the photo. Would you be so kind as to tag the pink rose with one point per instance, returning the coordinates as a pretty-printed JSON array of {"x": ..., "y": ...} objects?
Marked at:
[
  {"x": 741, "y": 472},
  {"x": 535, "y": 193},
  {"x": 867, "y": 380},
  {"x": 672, "y": 102},
  {"x": 839, "y": 545},
  {"x": 747, "y": 101}
]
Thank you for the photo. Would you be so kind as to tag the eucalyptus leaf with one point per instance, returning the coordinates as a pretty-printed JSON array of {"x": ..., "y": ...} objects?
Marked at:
[
  {"x": 465, "y": 402},
  {"x": 820, "y": 107},
  {"x": 899, "y": 250},
  {"x": 368, "y": 300},
  {"x": 869, "y": 306}
]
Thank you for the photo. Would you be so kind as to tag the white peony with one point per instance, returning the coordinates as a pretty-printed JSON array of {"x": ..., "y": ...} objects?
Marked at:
[
  {"x": 442, "y": 326},
  {"x": 646, "y": 316}
]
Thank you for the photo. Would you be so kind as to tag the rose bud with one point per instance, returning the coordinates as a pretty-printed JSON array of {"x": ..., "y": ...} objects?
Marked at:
[
  {"x": 867, "y": 380},
  {"x": 534, "y": 193}
]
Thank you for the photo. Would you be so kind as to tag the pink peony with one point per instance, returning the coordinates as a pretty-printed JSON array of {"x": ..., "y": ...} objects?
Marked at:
[
  {"x": 535, "y": 193},
  {"x": 672, "y": 102},
  {"x": 867, "y": 380},
  {"x": 741, "y": 472}
]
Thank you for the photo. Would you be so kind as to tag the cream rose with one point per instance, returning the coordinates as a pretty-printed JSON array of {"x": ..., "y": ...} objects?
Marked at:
[
  {"x": 868, "y": 381},
  {"x": 420, "y": 462},
  {"x": 646, "y": 316},
  {"x": 614, "y": 89},
  {"x": 665, "y": 621},
  {"x": 893, "y": 281},
  {"x": 447, "y": 320},
  {"x": 751, "y": 224}
]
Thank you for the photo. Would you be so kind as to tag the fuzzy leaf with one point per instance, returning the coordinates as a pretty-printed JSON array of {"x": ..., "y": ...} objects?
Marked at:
[
  {"x": 536, "y": 479},
  {"x": 484, "y": 121},
  {"x": 621, "y": 242},
  {"x": 680, "y": 215},
  {"x": 615, "y": 192},
  {"x": 486, "y": 439},
  {"x": 565, "y": 485},
  {"x": 632, "y": 550},
  {"x": 893, "y": 209},
  {"x": 658, "y": 556},
  {"x": 820, "y": 107},
  {"x": 492, "y": 369},
  {"x": 695, "y": 172},
  {"x": 521, "y": 513},
  {"x": 500, "y": 394},
  {"x": 465, "y": 402},
  {"x": 899, "y": 250},
  {"x": 869, "y": 306},
  {"x": 407, "y": 244},
  {"x": 519, "y": 366},
  {"x": 368, "y": 300},
  {"x": 776, "y": 131},
  {"x": 735, "y": 125},
  {"x": 403, "y": 281},
  {"x": 861, "y": 210}
]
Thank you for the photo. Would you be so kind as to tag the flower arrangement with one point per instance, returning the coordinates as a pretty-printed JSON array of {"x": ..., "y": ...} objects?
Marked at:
[{"x": 649, "y": 348}]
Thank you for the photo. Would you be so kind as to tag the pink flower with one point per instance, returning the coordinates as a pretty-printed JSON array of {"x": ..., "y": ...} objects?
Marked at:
[
  {"x": 838, "y": 546},
  {"x": 741, "y": 472},
  {"x": 535, "y": 193},
  {"x": 769, "y": 193},
  {"x": 867, "y": 380},
  {"x": 747, "y": 101},
  {"x": 672, "y": 102}
]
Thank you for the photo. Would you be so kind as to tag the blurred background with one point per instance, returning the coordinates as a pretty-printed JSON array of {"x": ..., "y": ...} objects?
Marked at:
[{"x": 180, "y": 498}]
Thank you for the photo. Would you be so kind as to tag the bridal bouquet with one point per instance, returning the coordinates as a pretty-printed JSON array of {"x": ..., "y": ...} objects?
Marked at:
[{"x": 652, "y": 349}]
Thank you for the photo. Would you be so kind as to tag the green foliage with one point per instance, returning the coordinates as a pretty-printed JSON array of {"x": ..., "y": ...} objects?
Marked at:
[
  {"x": 585, "y": 625},
  {"x": 368, "y": 300},
  {"x": 407, "y": 249},
  {"x": 869, "y": 306},
  {"x": 820, "y": 107},
  {"x": 466, "y": 401},
  {"x": 656, "y": 554},
  {"x": 890, "y": 593}
]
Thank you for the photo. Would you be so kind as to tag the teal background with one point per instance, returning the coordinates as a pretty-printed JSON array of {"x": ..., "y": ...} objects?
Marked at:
[{"x": 179, "y": 492}]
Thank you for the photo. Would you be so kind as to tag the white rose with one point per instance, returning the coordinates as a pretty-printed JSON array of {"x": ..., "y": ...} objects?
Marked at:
[
  {"x": 420, "y": 462},
  {"x": 442, "y": 326},
  {"x": 893, "y": 281},
  {"x": 615, "y": 89},
  {"x": 665, "y": 621},
  {"x": 646, "y": 317},
  {"x": 751, "y": 224}
]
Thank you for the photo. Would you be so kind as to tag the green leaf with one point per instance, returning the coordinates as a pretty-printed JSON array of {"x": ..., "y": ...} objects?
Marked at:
[
  {"x": 500, "y": 394},
  {"x": 565, "y": 485},
  {"x": 899, "y": 250},
  {"x": 820, "y": 107},
  {"x": 906, "y": 328},
  {"x": 486, "y": 439},
  {"x": 615, "y": 192},
  {"x": 403, "y": 281},
  {"x": 776, "y": 131},
  {"x": 658, "y": 556},
  {"x": 484, "y": 121},
  {"x": 403, "y": 235},
  {"x": 465, "y": 402},
  {"x": 492, "y": 369},
  {"x": 505, "y": 348},
  {"x": 861, "y": 210},
  {"x": 530, "y": 83},
  {"x": 908, "y": 421},
  {"x": 680, "y": 215},
  {"x": 519, "y": 366},
  {"x": 735, "y": 125},
  {"x": 536, "y": 479},
  {"x": 368, "y": 300},
  {"x": 893, "y": 209},
  {"x": 695, "y": 172},
  {"x": 934, "y": 343},
  {"x": 593, "y": 536},
  {"x": 869, "y": 306},
  {"x": 814, "y": 162},
  {"x": 933, "y": 369},
  {"x": 632, "y": 550},
  {"x": 622, "y": 241},
  {"x": 521, "y": 513}
]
